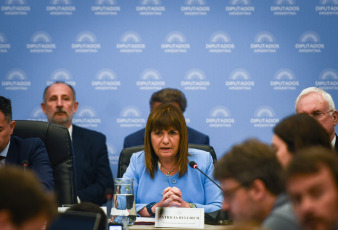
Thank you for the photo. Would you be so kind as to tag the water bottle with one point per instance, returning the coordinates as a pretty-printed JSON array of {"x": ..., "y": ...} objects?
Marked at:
[{"x": 124, "y": 210}]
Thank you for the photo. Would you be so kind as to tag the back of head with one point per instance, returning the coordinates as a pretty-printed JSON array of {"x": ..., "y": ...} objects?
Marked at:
[
  {"x": 169, "y": 95},
  {"x": 309, "y": 161},
  {"x": 6, "y": 108},
  {"x": 249, "y": 161},
  {"x": 301, "y": 130},
  {"x": 91, "y": 208},
  {"x": 325, "y": 95},
  {"x": 23, "y": 197}
]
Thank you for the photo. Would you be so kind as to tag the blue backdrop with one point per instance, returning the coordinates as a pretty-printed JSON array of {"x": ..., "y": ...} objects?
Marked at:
[{"x": 240, "y": 63}]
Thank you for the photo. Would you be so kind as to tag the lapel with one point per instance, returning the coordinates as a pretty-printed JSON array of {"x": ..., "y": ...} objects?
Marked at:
[{"x": 13, "y": 152}]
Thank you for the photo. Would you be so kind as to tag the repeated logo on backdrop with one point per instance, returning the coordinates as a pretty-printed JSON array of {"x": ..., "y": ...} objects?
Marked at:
[
  {"x": 60, "y": 8},
  {"x": 105, "y": 7},
  {"x": 175, "y": 42},
  {"x": 113, "y": 155},
  {"x": 284, "y": 80},
  {"x": 41, "y": 42},
  {"x": 106, "y": 80},
  {"x": 264, "y": 43},
  {"x": 4, "y": 44},
  {"x": 328, "y": 79},
  {"x": 284, "y": 7},
  {"x": 264, "y": 117},
  {"x": 15, "y": 8},
  {"x": 130, "y": 42},
  {"x": 327, "y": 7},
  {"x": 61, "y": 75},
  {"x": 150, "y": 8},
  {"x": 309, "y": 42},
  {"x": 195, "y": 7},
  {"x": 86, "y": 116},
  {"x": 131, "y": 117},
  {"x": 240, "y": 8},
  {"x": 195, "y": 79},
  {"x": 220, "y": 42},
  {"x": 37, "y": 115},
  {"x": 220, "y": 117},
  {"x": 239, "y": 80},
  {"x": 86, "y": 42},
  {"x": 150, "y": 79},
  {"x": 16, "y": 79}
]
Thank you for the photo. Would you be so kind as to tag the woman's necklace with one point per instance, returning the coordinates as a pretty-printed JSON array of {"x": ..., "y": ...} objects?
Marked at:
[{"x": 168, "y": 172}]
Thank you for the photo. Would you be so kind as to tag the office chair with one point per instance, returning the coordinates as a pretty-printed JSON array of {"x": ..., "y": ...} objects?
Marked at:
[
  {"x": 60, "y": 152},
  {"x": 126, "y": 153}
]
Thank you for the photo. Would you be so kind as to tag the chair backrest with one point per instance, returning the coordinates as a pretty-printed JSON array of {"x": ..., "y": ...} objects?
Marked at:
[
  {"x": 126, "y": 154},
  {"x": 60, "y": 152}
]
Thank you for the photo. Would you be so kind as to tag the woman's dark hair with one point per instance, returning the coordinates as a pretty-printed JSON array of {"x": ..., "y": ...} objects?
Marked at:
[
  {"x": 301, "y": 130},
  {"x": 166, "y": 116}
]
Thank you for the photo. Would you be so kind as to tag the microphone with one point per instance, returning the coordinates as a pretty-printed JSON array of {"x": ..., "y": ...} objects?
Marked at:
[
  {"x": 193, "y": 165},
  {"x": 25, "y": 164}
]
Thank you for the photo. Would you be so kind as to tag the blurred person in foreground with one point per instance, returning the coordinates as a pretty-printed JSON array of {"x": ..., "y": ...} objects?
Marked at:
[
  {"x": 253, "y": 187},
  {"x": 319, "y": 104},
  {"x": 162, "y": 176},
  {"x": 296, "y": 132},
  {"x": 92, "y": 170},
  {"x": 167, "y": 96},
  {"x": 24, "y": 205},
  {"x": 28, "y": 152},
  {"x": 312, "y": 183}
]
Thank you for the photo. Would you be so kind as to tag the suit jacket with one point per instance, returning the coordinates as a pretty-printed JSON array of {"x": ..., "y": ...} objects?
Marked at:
[
  {"x": 336, "y": 144},
  {"x": 92, "y": 170},
  {"x": 34, "y": 151},
  {"x": 137, "y": 138}
]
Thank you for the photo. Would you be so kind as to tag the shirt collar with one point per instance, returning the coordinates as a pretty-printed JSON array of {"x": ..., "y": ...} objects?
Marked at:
[
  {"x": 5, "y": 151},
  {"x": 333, "y": 142},
  {"x": 70, "y": 130}
]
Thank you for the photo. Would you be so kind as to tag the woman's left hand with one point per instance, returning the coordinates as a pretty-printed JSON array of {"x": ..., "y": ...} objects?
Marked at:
[{"x": 175, "y": 200}]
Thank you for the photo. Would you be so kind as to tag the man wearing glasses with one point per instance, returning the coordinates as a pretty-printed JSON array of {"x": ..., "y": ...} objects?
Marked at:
[
  {"x": 253, "y": 187},
  {"x": 319, "y": 104}
]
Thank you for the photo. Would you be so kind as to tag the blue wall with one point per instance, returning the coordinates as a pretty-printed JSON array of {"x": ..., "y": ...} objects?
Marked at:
[{"x": 241, "y": 63}]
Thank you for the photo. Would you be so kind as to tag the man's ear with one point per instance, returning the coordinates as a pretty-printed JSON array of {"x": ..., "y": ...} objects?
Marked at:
[
  {"x": 43, "y": 107},
  {"x": 11, "y": 126},
  {"x": 76, "y": 105},
  {"x": 335, "y": 117},
  {"x": 258, "y": 190}
]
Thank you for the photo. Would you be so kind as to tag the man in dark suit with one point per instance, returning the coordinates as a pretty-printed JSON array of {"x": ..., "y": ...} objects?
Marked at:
[
  {"x": 29, "y": 152},
  {"x": 177, "y": 98},
  {"x": 92, "y": 170},
  {"x": 319, "y": 104}
]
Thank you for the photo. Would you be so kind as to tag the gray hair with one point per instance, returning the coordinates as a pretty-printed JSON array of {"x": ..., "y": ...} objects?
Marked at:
[{"x": 327, "y": 97}]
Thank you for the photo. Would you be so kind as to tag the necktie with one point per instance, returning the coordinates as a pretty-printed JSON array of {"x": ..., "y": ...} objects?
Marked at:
[{"x": 2, "y": 157}]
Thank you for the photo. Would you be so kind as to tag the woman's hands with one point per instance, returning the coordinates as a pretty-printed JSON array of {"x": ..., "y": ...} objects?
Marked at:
[{"x": 171, "y": 197}]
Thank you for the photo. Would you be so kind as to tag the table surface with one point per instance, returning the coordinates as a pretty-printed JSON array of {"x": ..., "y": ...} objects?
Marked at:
[{"x": 206, "y": 226}]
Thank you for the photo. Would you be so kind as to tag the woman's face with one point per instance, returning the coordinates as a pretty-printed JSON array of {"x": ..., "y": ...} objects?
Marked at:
[
  {"x": 165, "y": 143},
  {"x": 281, "y": 149}
]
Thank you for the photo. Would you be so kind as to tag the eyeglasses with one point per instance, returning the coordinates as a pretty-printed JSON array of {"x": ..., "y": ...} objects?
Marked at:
[
  {"x": 230, "y": 193},
  {"x": 318, "y": 114}
]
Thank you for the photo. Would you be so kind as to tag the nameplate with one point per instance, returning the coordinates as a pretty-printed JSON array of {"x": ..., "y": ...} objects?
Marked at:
[{"x": 179, "y": 217}]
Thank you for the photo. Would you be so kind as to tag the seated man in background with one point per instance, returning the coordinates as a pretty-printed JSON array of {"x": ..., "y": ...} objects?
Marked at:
[
  {"x": 320, "y": 105},
  {"x": 28, "y": 152},
  {"x": 170, "y": 96},
  {"x": 312, "y": 183},
  {"x": 23, "y": 203},
  {"x": 92, "y": 170},
  {"x": 253, "y": 188}
]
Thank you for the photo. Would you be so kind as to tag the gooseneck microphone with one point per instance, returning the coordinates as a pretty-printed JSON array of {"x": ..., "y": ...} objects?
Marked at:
[
  {"x": 193, "y": 165},
  {"x": 25, "y": 164}
]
